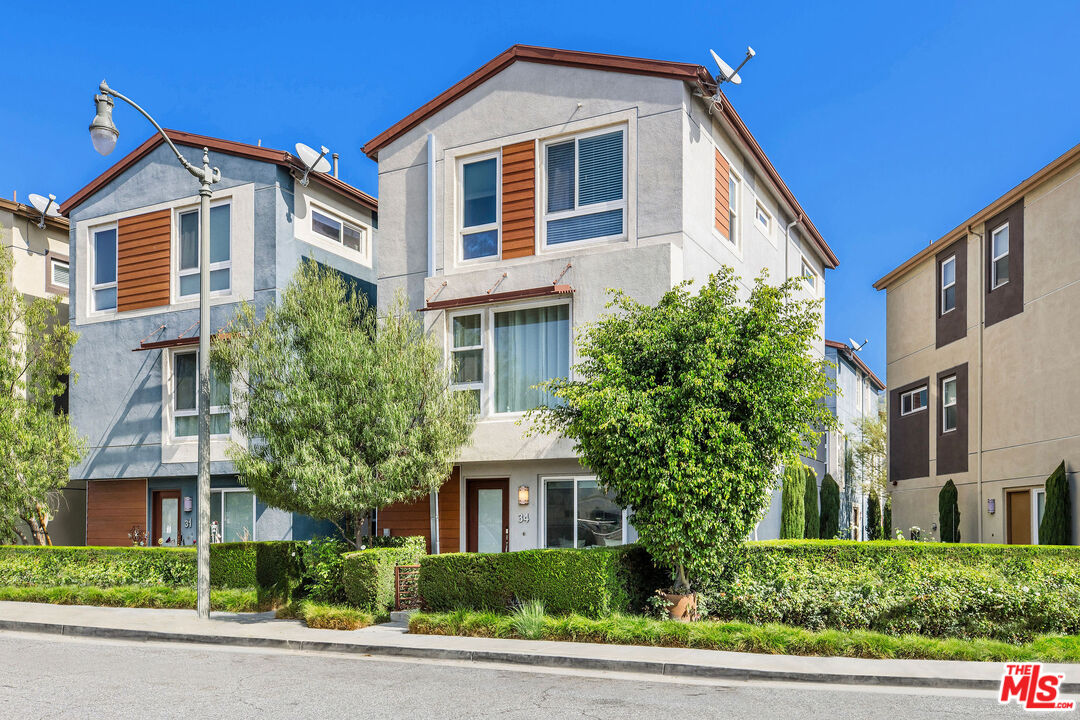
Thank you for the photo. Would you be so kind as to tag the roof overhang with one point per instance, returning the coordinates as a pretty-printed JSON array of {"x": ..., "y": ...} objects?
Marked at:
[
  {"x": 986, "y": 213},
  {"x": 244, "y": 150},
  {"x": 849, "y": 353},
  {"x": 31, "y": 213}
]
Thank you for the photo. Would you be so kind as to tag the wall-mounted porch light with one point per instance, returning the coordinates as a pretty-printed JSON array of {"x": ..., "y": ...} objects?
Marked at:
[
  {"x": 523, "y": 495},
  {"x": 991, "y": 505}
]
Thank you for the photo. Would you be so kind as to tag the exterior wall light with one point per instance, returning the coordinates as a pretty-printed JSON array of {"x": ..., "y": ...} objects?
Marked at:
[
  {"x": 991, "y": 505},
  {"x": 523, "y": 495}
]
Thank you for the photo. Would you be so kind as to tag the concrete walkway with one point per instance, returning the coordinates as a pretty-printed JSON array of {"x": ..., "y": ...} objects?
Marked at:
[{"x": 392, "y": 639}]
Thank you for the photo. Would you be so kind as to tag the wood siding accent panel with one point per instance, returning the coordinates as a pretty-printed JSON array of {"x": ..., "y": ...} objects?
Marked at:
[
  {"x": 450, "y": 514},
  {"x": 113, "y": 507},
  {"x": 414, "y": 518},
  {"x": 721, "y": 201},
  {"x": 519, "y": 199},
  {"x": 143, "y": 260}
]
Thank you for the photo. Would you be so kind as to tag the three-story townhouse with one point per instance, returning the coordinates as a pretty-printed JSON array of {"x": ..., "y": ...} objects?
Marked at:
[
  {"x": 134, "y": 301},
  {"x": 513, "y": 202}
]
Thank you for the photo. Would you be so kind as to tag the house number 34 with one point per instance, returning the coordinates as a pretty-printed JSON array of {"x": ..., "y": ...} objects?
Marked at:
[{"x": 523, "y": 517}]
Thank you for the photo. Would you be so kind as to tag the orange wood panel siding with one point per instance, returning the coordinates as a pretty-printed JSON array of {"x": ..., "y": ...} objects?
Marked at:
[
  {"x": 414, "y": 518},
  {"x": 722, "y": 201},
  {"x": 113, "y": 507},
  {"x": 142, "y": 260},
  {"x": 519, "y": 199}
]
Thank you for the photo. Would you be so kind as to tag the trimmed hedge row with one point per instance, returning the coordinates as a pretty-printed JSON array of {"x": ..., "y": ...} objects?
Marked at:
[
  {"x": 591, "y": 582},
  {"x": 368, "y": 575}
]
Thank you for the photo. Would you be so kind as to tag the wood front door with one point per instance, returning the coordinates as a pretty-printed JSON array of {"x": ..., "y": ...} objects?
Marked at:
[
  {"x": 1018, "y": 508},
  {"x": 487, "y": 510},
  {"x": 166, "y": 518}
]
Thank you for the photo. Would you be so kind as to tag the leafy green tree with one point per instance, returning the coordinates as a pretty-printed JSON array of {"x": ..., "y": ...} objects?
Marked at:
[
  {"x": 830, "y": 507},
  {"x": 1056, "y": 525},
  {"x": 347, "y": 412},
  {"x": 793, "y": 503},
  {"x": 812, "y": 521},
  {"x": 949, "y": 513},
  {"x": 37, "y": 443},
  {"x": 886, "y": 520},
  {"x": 685, "y": 410},
  {"x": 869, "y": 453},
  {"x": 873, "y": 516}
]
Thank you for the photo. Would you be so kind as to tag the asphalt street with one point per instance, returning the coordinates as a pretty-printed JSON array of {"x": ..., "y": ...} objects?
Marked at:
[{"x": 42, "y": 676}]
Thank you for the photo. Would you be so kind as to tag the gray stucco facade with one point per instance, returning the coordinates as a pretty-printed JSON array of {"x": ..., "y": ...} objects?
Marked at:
[{"x": 122, "y": 400}]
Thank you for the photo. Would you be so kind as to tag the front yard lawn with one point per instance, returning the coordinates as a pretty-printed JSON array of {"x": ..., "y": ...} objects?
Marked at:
[
  {"x": 743, "y": 637},
  {"x": 133, "y": 596}
]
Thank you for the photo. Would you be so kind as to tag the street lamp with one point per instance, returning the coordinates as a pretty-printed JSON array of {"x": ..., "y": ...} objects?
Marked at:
[{"x": 103, "y": 134}]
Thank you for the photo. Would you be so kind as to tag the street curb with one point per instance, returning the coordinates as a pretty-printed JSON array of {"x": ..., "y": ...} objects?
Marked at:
[{"x": 516, "y": 658}]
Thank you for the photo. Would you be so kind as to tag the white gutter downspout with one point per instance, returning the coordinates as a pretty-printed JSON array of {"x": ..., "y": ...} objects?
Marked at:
[
  {"x": 430, "y": 205},
  {"x": 982, "y": 324}
]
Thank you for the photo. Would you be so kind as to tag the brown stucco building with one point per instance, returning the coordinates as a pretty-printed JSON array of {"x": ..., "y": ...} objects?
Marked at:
[{"x": 984, "y": 386}]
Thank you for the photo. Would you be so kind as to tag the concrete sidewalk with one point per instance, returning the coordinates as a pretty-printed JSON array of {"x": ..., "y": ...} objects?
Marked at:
[{"x": 263, "y": 630}]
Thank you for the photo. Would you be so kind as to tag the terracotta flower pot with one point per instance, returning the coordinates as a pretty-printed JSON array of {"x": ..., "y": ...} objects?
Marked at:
[{"x": 681, "y": 607}]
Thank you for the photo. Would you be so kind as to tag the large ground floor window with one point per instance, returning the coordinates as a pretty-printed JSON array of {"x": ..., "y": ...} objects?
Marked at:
[
  {"x": 232, "y": 515},
  {"x": 577, "y": 513}
]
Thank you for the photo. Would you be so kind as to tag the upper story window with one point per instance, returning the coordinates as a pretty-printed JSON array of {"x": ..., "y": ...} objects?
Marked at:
[
  {"x": 999, "y": 258},
  {"x": 762, "y": 219},
  {"x": 948, "y": 285},
  {"x": 480, "y": 208},
  {"x": 340, "y": 231},
  {"x": 585, "y": 188},
  {"x": 220, "y": 251},
  {"x": 809, "y": 276},
  {"x": 186, "y": 397},
  {"x": 526, "y": 346},
  {"x": 59, "y": 273},
  {"x": 734, "y": 197},
  {"x": 104, "y": 269},
  {"x": 948, "y": 404},
  {"x": 913, "y": 401}
]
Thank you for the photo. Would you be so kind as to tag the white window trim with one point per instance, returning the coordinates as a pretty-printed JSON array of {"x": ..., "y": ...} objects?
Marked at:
[
  {"x": 53, "y": 262},
  {"x": 912, "y": 393},
  {"x": 177, "y": 273},
  {"x": 734, "y": 238},
  {"x": 1035, "y": 493},
  {"x": 174, "y": 413},
  {"x": 487, "y": 336},
  {"x": 459, "y": 211},
  {"x": 94, "y": 287},
  {"x": 763, "y": 226},
  {"x": 809, "y": 276},
  {"x": 484, "y": 359},
  {"x": 254, "y": 520},
  {"x": 542, "y": 511},
  {"x": 994, "y": 284},
  {"x": 945, "y": 286},
  {"x": 946, "y": 405},
  {"x": 541, "y": 178},
  {"x": 339, "y": 245}
]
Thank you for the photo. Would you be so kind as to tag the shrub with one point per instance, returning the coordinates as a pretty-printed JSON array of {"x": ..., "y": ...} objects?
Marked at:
[
  {"x": 134, "y": 596},
  {"x": 278, "y": 573},
  {"x": 591, "y": 581},
  {"x": 1056, "y": 525},
  {"x": 321, "y": 570},
  {"x": 793, "y": 510},
  {"x": 873, "y": 516},
  {"x": 324, "y": 616},
  {"x": 96, "y": 566},
  {"x": 368, "y": 575},
  {"x": 232, "y": 564},
  {"x": 830, "y": 508},
  {"x": 811, "y": 521},
  {"x": 949, "y": 513},
  {"x": 886, "y": 520}
]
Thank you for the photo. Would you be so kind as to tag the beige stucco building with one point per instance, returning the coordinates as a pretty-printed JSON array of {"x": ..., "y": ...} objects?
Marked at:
[
  {"x": 40, "y": 269},
  {"x": 983, "y": 381}
]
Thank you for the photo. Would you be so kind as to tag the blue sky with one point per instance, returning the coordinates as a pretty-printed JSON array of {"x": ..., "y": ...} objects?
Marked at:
[{"x": 892, "y": 123}]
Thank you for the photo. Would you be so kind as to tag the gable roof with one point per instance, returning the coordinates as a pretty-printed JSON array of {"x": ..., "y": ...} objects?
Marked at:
[
  {"x": 229, "y": 147},
  {"x": 850, "y": 355},
  {"x": 696, "y": 75},
  {"x": 986, "y": 213}
]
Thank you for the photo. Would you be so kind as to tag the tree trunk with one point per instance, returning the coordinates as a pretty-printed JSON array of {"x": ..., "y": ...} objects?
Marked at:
[
  {"x": 360, "y": 523},
  {"x": 682, "y": 585}
]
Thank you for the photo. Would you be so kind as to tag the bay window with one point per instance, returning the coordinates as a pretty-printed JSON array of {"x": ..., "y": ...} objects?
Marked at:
[
  {"x": 577, "y": 514},
  {"x": 220, "y": 251},
  {"x": 232, "y": 515},
  {"x": 524, "y": 347},
  {"x": 103, "y": 286},
  {"x": 185, "y": 404},
  {"x": 585, "y": 188},
  {"x": 479, "y": 209}
]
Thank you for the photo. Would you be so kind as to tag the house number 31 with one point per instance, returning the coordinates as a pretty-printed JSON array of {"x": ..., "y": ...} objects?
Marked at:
[{"x": 523, "y": 517}]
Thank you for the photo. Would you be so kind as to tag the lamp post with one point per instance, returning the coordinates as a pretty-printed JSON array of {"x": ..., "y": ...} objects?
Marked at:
[{"x": 103, "y": 134}]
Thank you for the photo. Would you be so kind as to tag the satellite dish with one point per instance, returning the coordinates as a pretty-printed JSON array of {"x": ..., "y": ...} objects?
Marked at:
[
  {"x": 312, "y": 160},
  {"x": 726, "y": 73},
  {"x": 46, "y": 206},
  {"x": 856, "y": 346}
]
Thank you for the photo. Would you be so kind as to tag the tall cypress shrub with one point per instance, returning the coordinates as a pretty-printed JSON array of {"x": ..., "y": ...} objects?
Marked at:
[
  {"x": 793, "y": 506},
  {"x": 949, "y": 513},
  {"x": 873, "y": 516},
  {"x": 830, "y": 508},
  {"x": 886, "y": 520},
  {"x": 811, "y": 519},
  {"x": 1056, "y": 525}
]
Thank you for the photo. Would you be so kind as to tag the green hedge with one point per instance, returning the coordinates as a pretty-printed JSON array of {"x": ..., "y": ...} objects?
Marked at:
[
  {"x": 278, "y": 571},
  {"x": 592, "y": 582},
  {"x": 232, "y": 565},
  {"x": 368, "y": 575},
  {"x": 1007, "y": 593}
]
